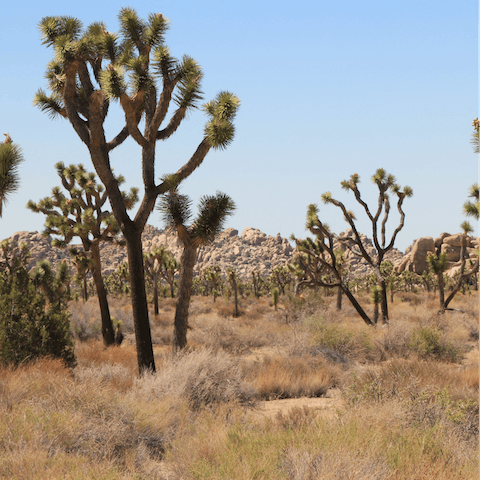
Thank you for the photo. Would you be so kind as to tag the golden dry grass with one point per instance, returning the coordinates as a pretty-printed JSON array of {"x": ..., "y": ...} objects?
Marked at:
[{"x": 410, "y": 407}]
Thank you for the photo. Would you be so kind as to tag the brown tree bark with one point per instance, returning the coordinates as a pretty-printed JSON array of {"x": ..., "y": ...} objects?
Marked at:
[
  {"x": 187, "y": 263},
  {"x": 107, "y": 325},
  {"x": 143, "y": 335}
]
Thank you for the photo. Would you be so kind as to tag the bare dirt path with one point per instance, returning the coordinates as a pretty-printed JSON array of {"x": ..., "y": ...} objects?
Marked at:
[{"x": 326, "y": 406}]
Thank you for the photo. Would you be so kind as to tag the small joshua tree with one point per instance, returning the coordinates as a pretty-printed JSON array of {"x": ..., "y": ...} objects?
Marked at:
[
  {"x": 437, "y": 265},
  {"x": 10, "y": 159},
  {"x": 213, "y": 211},
  {"x": 81, "y": 214},
  {"x": 160, "y": 263},
  {"x": 233, "y": 281},
  {"x": 385, "y": 183}
]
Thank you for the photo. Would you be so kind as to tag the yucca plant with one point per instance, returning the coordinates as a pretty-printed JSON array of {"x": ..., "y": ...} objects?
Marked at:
[{"x": 176, "y": 213}]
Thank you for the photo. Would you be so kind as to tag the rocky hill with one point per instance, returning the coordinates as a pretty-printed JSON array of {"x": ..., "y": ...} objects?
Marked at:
[{"x": 252, "y": 250}]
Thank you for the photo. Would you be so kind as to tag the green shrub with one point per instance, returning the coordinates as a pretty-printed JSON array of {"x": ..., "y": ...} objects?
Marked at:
[
  {"x": 31, "y": 326},
  {"x": 428, "y": 342}
]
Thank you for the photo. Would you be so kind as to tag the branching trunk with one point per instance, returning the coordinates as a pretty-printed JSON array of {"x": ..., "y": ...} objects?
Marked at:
[
  {"x": 107, "y": 325},
  {"x": 185, "y": 282}
]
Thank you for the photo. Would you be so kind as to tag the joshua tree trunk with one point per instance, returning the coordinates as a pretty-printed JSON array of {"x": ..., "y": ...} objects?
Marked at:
[
  {"x": 107, "y": 326},
  {"x": 235, "y": 297},
  {"x": 155, "y": 293},
  {"x": 441, "y": 291},
  {"x": 85, "y": 288},
  {"x": 143, "y": 335},
  {"x": 187, "y": 264},
  {"x": 356, "y": 305},
  {"x": 339, "y": 298}
]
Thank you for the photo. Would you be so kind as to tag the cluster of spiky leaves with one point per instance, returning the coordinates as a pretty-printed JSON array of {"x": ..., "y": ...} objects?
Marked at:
[
  {"x": 213, "y": 211},
  {"x": 80, "y": 213},
  {"x": 220, "y": 129},
  {"x": 10, "y": 159},
  {"x": 437, "y": 264}
]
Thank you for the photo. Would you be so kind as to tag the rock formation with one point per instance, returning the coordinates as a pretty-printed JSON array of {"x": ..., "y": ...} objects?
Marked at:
[
  {"x": 415, "y": 259},
  {"x": 252, "y": 250}
]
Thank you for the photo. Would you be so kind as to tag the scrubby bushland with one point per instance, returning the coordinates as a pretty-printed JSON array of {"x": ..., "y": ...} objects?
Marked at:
[{"x": 34, "y": 320}]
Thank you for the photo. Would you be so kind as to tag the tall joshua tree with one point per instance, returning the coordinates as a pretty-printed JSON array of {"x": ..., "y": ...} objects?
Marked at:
[
  {"x": 385, "y": 183},
  {"x": 213, "y": 211},
  {"x": 10, "y": 158},
  {"x": 94, "y": 67},
  {"x": 81, "y": 215}
]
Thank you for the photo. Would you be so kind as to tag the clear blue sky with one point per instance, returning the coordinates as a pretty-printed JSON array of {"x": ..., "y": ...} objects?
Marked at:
[{"x": 327, "y": 89}]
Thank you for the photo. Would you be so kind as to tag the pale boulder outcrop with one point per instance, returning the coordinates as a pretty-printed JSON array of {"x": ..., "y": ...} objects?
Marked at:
[{"x": 416, "y": 260}]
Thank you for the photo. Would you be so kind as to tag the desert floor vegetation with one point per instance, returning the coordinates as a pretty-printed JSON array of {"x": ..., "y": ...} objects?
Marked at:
[{"x": 400, "y": 401}]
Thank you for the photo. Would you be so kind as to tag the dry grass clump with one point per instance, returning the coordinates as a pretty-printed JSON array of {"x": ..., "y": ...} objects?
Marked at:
[
  {"x": 292, "y": 377},
  {"x": 202, "y": 378},
  {"x": 72, "y": 425}
]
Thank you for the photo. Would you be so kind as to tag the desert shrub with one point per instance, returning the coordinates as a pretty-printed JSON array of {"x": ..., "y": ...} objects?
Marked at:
[
  {"x": 30, "y": 325},
  {"x": 428, "y": 342},
  {"x": 203, "y": 378},
  {"x": 429, "y": 408},
  {"x": 347, "y": 342}
]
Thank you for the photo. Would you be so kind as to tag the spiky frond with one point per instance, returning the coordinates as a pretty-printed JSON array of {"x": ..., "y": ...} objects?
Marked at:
[
  {"x": 132, "y": 28},
  {"x": 163, "y": 62},
  {"x": 10, "y": 159},
  {"x": 175, "y": 209},
  {"x": 51, "y": 105},
  {"x": 312, "y": 216},
  {"x": 327, "y": 197},
  {"x": 52, "y": 28},
  {"x": 437, "y": 264},
  {"x": 219, "y": 131},
  {"x": 213, "y": 211},
  {"x": 466, "y": 227},
  {"x": 156, "y": 28},
  {"x": 113, "y": 82}
]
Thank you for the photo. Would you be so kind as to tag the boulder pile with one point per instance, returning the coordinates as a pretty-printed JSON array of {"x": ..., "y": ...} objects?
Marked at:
[
  {"x": 415, "y": 259},
  {"x": 252, "y": 250}
]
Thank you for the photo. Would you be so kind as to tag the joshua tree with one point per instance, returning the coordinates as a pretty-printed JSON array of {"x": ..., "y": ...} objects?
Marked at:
[
  {"x": 213, "y": 211},
  {"x": 233, "y": 281},
  {"x": 212, "y": 280},
  {"x": 83, "y": 264},
  {"x": 160, "y": 263},
  {"x": 385, "y": 182},
  {"x": 82, "y": 215},
  {"x": 437, "y": 265},
  {"x": 318, "y": 261},
  {"x": 10, "y": 158},
  {"x": 376, "y": 296},
  {"x": 93, "y": 67}
]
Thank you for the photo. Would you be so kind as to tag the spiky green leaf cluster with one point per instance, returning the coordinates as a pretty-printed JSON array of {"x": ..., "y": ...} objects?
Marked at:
[
  {"x": 10, "y": 159},
  {"x": 437, "y": 264},
  {"x": 219, "y": 130},
  {"x": 213, "y": 211},
  {"x": 175, "y": 209}
]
